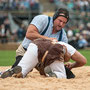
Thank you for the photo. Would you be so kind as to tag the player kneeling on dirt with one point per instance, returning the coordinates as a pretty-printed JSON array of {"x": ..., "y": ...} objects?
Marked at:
[{"x": 48, "y": 58}]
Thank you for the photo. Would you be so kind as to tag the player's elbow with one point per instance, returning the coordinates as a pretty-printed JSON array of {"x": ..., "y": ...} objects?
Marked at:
[
  {"x": 84, "y": 61},
  {"x": 27, "y": 35},
  {"x": 29, "y": 32}
]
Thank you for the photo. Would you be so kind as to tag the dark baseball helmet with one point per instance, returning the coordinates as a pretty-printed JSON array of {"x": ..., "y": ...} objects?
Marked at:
[{"x": 61, "y": 12}]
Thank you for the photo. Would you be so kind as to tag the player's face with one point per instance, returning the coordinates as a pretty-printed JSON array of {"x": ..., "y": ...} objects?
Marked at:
[{"x": 59, "y": 23}]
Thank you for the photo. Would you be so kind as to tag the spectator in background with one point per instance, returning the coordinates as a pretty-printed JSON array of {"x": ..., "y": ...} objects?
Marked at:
[
  {"x": 5, "y": 30},
  {"x": 51, "y": 1},
  {"x": 21, "y": 33},
  {"x": 88, "y": 26},
  {"x": 70, "y": 4},
  {"x": 81, "y": 27},
  {"x": 15, "y": 4},
  {"x": 34, "y": 4},
  {"x": 82, "y": 43},
  {"x": 7, "y": 25},
  {"x": 3, "y": 34},
  {"x": 85, "y": 6},
  {"x": 1, "y": 5},
  {"x": 25, "y": 5},
  {"x": 72, "y": 40}
]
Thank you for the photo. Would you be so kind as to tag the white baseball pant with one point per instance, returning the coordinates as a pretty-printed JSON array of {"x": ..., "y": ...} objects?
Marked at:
[{"x": 30, "y": 60}]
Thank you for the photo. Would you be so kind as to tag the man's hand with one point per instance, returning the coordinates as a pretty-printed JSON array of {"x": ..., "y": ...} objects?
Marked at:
[
  {"x": 69, "y": 65},
  {"x": 52, "y": 39}
]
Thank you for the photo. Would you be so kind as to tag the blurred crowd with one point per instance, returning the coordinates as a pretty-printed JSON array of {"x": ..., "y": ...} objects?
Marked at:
[
  {"x": 6, "y": 34},
  {"x": 19, "y": 4},
  {"x": 79, "y": 36},
  {"x": 79, "y": 5},
  {"x": 78, "y": 29}
]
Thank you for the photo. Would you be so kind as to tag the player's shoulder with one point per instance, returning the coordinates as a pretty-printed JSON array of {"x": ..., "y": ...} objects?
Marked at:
[{"x": 41, "y": 17}]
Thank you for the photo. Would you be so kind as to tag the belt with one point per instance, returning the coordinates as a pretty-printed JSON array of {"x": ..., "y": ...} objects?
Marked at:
[{"x": 43, "y": 58}]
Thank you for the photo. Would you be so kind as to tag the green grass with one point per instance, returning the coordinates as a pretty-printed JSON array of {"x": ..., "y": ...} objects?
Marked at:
[
  {"x": 7, "y": 58},
  {"x": 86, "y": 53}
]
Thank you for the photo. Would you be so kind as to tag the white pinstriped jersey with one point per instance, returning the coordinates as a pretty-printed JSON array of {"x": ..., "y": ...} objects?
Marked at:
[
  {"x": 70, "y": 49},
  {"x": 41, "y": 22}
]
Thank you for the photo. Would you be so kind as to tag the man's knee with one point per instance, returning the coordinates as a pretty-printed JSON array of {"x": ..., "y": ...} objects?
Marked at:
[{"x": 20, "y": 51}]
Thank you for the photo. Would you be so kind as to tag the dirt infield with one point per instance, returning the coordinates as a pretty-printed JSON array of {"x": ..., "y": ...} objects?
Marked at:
[{"x": 36, "y": 82}]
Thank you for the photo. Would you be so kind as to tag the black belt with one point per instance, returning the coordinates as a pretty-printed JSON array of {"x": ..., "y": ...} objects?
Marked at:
[{"x": 25, "y": 49}]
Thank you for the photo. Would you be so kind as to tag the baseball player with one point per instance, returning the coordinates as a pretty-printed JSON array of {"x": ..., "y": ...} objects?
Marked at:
[
  {"x": 43, "y": 26},
  {"x": 48, "y": 57}
]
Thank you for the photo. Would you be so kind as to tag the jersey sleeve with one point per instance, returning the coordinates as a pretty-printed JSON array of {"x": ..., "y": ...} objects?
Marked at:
[
  {"x": 70, "y": 49},
  {"x": 40, "y": 22}
]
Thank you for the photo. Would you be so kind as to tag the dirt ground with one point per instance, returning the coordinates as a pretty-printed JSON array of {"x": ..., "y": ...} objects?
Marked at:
[{"x": 36, "y": 82}]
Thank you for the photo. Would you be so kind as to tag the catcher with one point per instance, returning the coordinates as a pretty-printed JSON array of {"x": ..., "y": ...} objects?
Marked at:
[{"x": 48, "y": 58}]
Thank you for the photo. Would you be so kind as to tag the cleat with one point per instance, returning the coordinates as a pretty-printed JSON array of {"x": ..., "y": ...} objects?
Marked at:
[
  {"x": 11, "y": 71},
  {"x": 49, "y": 72}
]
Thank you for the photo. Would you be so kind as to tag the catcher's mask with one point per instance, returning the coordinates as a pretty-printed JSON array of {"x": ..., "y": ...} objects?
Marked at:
[{"x": 61, "y": 12}]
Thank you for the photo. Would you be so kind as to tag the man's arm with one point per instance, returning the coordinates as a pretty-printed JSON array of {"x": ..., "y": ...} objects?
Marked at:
[
  {"x": 79, "y": 59},
  {"x": 67, "y": 55},
  {"x": 32, "y": 33}
]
